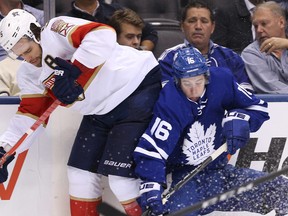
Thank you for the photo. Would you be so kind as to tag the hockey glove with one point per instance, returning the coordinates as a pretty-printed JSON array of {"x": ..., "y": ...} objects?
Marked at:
[
  {"x": 236, "y": 130},
  {"x": 3, "y": 169},
  {"x": 151, "y": 197},
  {"x": 65, "y": 88}
]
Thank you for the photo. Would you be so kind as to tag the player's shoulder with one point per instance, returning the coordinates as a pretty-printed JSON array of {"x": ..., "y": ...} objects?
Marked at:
[
  {"x": 64, "y": 26},
  {"x": 220, "y": 72},
  {"x": 218, "y": 50},
  {"x": 221, "y": 76},
  {"x": 169, "y": 53},
  {"x": 66, "y": 22}
]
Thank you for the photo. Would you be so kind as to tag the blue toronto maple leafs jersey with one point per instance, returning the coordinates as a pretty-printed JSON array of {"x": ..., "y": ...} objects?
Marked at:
[
  {"x": 217, "y": 56},
  {"x": 183, "y": 131}
]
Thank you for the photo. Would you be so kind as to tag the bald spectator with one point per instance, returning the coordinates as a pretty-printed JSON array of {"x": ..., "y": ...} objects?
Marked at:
[{"x": 266, "y": 58}]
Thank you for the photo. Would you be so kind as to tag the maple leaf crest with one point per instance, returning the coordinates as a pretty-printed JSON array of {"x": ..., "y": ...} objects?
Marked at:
[{"x": 198, "y": 145}]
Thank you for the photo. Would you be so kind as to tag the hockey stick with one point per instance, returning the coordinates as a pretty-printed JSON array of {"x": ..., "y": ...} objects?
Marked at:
[
  {"x": 39, "y": 121},
  {"x": 230, "y": 193},
  {"x": 190, "y": 175}
]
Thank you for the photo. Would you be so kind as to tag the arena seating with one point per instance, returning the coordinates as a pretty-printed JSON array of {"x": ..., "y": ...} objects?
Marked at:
[
  {"x": 162, "y": 14},
  {"x": 168, "y": 9},
  {"x": 62, "y": 6},
  {"x": 169, "y": 34}
]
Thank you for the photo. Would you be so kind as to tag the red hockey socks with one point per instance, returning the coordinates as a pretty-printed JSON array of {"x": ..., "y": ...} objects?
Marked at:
[
  {"x": 84, "y": 208},
  {"x": 132, "y": 208}
]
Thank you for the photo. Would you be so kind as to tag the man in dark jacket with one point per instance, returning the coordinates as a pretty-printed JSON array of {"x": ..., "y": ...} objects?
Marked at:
[
  {"x": 100, "y": 11},
  {"x": 233, "y": 23}
]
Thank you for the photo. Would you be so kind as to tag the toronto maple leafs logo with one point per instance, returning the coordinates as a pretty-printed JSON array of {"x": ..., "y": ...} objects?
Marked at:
[{"x": 198, "y": 145}]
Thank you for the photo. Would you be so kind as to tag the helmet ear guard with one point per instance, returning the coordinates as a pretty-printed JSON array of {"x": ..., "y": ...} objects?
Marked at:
[
  {"x": 16, "y": 25},
  {"x": 189, "y": 62}
]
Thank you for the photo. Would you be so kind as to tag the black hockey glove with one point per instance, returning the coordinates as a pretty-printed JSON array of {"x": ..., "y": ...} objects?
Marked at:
[
  {"x": 236, "y": 129},
  {"x": 65, "y": 88},
  {"x": 151, "y": 197},
  {"x": 3, "y": 169}
]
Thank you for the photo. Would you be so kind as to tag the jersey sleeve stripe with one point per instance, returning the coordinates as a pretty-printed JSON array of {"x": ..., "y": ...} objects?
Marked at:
[
  {"x": 152, "y": 142},
  {"x": 150, "y": 154}
]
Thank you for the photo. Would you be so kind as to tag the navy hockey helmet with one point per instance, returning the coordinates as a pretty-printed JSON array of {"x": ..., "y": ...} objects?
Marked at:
[{"x": 189, "y": 62}]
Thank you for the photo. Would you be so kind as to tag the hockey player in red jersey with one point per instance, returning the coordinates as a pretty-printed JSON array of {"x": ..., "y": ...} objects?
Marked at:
[{"x": 115, "y": 87}]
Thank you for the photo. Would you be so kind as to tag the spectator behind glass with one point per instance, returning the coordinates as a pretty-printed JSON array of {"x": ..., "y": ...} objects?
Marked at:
[
  {"x": 197, "y": 23},
  {"x": 8, "y": 67},
  {"x": 233, "y": 27},
  {"x": 266, "y": 58},
  {"x": 128, "y": 26},
  {"x": 101, "y": 12}
]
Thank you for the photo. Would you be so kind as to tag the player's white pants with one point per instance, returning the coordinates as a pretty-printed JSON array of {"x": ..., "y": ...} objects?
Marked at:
[
  {"x": 124, "y": 188},
  {"x": 87, "y": 185},
  {"x": 84, "y": 184}
]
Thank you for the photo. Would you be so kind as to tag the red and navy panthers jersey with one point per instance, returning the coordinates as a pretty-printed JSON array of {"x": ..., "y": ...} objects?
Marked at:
[{"x": 183, "y": 132}]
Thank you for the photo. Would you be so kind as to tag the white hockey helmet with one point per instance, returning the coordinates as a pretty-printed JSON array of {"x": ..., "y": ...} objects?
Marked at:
[{"x": 14, "y": 26}]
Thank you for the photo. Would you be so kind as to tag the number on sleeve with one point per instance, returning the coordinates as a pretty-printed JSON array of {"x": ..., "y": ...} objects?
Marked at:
[{"x": 161, "y": 129}]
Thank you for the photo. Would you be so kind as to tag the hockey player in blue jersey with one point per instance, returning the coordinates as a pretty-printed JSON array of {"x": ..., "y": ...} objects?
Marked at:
[{"x": 194, "y": 115}]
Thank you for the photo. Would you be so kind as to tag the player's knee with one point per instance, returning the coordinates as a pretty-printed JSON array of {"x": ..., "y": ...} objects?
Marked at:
[
  {"x": 124, "y": 188},
  {"x": 84, "y": 184}
]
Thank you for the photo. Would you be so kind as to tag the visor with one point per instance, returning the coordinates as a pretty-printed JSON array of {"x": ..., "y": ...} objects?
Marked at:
[{"x": 21, "y": 47}]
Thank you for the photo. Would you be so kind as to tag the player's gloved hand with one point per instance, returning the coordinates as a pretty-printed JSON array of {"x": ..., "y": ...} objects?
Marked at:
[
  {"x": 151, "y": 197},
  {"x": 236, "y": 129},
  {"x": 3, "y": 169},
  {"x": 65, "y": 88}
]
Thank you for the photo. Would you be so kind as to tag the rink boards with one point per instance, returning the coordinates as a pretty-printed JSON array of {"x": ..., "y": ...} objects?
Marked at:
[{"x": 38, "y": 182}]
